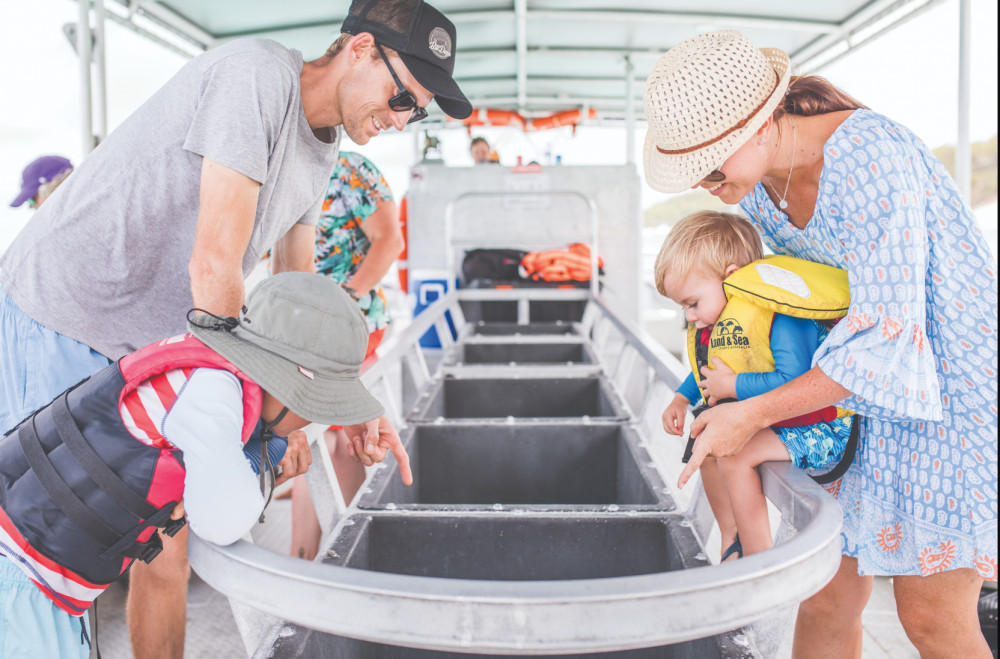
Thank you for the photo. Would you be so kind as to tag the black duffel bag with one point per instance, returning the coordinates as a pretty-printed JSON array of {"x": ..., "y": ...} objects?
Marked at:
[{"x": 492, "y": 264}]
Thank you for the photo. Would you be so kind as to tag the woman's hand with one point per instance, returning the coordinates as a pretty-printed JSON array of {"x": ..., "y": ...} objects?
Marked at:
[
  {"x": 673, "y": 417},
  {"x": 718, "y": 382},
  {"x": 720, "y": 431}
]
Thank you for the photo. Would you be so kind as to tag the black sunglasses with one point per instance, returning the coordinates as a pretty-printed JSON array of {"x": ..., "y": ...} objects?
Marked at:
[{"x": 404, "y": 101}]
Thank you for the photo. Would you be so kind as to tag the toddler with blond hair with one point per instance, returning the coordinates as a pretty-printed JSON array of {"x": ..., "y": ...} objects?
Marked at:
[{"x": 740, "y": 349}]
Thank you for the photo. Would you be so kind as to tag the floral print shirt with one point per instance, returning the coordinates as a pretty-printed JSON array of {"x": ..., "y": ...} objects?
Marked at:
[{"x": 355, "y": 191}]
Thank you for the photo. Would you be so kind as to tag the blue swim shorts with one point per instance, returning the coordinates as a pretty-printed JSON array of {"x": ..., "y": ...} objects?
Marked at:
[
  {"x": 36, "y": 364},
  {"x": 31, "y": 625},
  {"x": 817, "y": 445}
]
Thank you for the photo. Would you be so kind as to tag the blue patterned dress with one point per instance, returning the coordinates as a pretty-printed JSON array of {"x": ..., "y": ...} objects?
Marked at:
[{"x": 918, "y": 348}]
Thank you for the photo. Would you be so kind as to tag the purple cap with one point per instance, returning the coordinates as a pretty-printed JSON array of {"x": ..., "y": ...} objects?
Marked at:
[{"x": 40, "y": 171}]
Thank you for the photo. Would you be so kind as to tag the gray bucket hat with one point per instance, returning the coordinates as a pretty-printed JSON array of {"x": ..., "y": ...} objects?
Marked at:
[{"x": 302, "y": 339}]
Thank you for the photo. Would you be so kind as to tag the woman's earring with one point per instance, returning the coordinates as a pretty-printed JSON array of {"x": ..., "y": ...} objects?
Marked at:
[{"x": 761, "y": 140}]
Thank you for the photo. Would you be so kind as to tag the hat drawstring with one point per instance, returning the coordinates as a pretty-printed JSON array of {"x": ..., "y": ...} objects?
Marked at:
[
  {"x": 227, "y": 323},
  {"x": 266, "y": 435}
]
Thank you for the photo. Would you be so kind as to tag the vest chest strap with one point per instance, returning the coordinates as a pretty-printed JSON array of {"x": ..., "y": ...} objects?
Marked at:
[{"x": 119, "y": 542}]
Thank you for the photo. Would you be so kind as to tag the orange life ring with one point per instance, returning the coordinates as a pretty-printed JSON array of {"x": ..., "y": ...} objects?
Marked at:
[
  {"x": 488, "y": 117},
  {"x": 402, "y": 267},
  {"x": 565, "y": 118}
]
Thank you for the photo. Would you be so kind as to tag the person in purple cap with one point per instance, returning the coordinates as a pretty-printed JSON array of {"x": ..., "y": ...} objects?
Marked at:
[
  {"x": 230, "y": 158},
  {"x": 40, "y": 179}
]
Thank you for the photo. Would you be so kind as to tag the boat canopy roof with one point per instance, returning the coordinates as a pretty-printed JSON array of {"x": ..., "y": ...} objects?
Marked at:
[{"x": 538, "y": 57}]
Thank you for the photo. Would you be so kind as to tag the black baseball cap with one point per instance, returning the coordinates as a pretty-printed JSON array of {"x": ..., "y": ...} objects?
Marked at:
[{"x": 424, "y": 39}]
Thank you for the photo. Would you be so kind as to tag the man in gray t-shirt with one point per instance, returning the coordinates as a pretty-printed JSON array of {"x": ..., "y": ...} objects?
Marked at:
[
  {"x": 122, "y": 232},
  {"x": 172, "y": 211}
]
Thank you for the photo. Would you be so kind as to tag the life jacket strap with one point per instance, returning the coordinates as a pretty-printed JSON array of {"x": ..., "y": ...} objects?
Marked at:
[
  {"x": 118, "y": 542},
  {"x": 850, "y": 450},
  {"x": 96, "y": 468},
  {"x": 129, "y": 544},
  {"x": 57, "y": 489}
]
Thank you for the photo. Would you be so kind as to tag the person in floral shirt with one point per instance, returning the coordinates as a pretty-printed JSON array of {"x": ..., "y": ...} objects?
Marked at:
[{"x": 358, "y": 237}]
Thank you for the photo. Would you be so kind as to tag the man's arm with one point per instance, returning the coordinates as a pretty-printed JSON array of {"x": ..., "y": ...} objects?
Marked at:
[
  {"x": 228, "y": 205},
  {"x": 294, "y": 252}
]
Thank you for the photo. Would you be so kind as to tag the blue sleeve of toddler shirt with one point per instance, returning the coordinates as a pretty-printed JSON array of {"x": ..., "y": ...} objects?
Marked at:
[
  {"x": 689, "y": 389},
  {"x": 793, "y": 343}
]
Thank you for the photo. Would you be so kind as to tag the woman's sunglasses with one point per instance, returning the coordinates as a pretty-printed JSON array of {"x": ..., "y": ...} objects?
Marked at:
[
  {"x": 404, "y": 101},
  {"x": 715, "y": 176}
]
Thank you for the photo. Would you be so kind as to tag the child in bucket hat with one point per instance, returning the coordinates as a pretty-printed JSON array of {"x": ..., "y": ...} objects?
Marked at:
[{"x": 162, "y": 433}]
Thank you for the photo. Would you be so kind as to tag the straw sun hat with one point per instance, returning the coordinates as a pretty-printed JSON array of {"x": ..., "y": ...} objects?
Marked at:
[
  {"x": 704, "y": 99},
  {"x": 302, "y": 339}
]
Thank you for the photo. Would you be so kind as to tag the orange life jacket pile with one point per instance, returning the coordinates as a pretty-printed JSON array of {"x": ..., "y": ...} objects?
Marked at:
[{"x": 571, "y": 264}]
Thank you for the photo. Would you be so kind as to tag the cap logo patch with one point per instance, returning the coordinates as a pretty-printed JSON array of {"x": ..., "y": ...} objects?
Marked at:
[
  {"x": 440, "y": 43},
  {"x": 306, "y": 373}
]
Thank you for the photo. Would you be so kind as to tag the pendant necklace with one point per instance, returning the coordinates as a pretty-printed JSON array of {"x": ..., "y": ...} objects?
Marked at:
[{"x": 782, "y": 204}]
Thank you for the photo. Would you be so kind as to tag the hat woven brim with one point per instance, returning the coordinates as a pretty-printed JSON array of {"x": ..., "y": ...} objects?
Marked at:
[
  {"x": 320, "y": 399},
  {"x": 679, "y": 172},
  {"x": 446, "y": 92}
]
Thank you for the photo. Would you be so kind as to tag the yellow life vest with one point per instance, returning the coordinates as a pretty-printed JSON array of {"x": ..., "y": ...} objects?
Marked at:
[{"x": 775, "y": 284}]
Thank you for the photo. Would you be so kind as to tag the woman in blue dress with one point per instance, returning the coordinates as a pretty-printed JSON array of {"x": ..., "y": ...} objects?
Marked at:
[{"x": 826, "y": 179}]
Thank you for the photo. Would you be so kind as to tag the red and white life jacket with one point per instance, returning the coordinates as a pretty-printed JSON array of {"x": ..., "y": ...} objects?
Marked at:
[{"x": 86, "y": 481}]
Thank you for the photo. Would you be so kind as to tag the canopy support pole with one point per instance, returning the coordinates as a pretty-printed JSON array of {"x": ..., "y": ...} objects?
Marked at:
[
  {"x": 83, "y": 42},
  {"x": 963, "y": 148},
  {"x": 93, "y": 78},
  {"x": 100, "y": 72},
  {"x": 521, "y": 12},
  {"x": 629, "y": 112}
]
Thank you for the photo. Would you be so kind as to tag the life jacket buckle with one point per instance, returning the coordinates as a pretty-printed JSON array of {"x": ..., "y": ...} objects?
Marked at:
[
  {"x": 173, "y": 526},
  {"x": 149, "y": 549}
]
